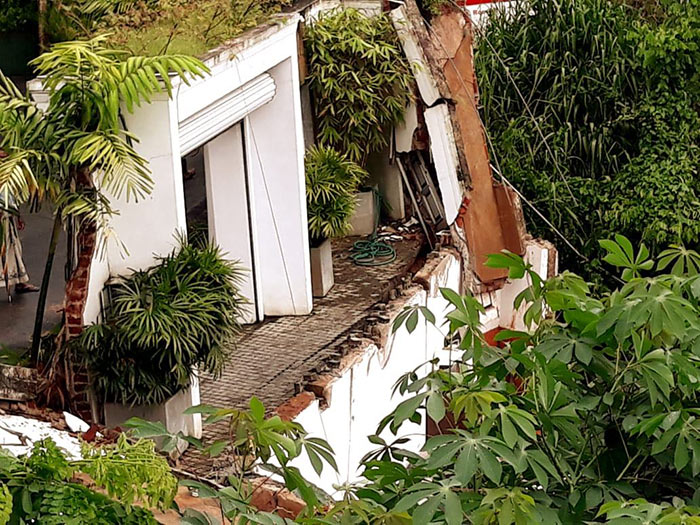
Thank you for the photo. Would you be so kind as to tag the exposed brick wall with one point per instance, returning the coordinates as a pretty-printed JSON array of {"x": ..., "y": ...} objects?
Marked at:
[{"x": 273, "y": 497}]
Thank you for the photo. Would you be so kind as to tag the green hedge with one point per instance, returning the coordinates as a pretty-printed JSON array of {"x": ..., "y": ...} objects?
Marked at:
[{"x": 615, "y": 90}]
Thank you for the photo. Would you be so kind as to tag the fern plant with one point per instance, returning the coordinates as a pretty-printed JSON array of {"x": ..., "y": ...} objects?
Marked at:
[
  {"x": 165, "y": 323},
  {"x": 331, "y": 182}
]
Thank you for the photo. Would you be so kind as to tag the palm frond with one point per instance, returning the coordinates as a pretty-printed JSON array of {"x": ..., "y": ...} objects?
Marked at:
[
  {"x": 118, "y": 167},
  {"x": 17, "y": 180}
]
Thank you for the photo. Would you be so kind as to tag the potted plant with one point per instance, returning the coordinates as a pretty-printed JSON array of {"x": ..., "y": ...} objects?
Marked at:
[
  {"x": 361, "y": 84},
  {"x": 162, "y": 326},
  {"x": 331, "y": 182}
]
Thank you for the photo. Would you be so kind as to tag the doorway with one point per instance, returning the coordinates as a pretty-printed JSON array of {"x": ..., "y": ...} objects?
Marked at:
[{"x": 218, "y": 206}]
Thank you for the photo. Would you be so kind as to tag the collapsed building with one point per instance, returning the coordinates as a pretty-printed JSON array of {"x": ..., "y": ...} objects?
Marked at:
[{"x": 329, "y": 362}]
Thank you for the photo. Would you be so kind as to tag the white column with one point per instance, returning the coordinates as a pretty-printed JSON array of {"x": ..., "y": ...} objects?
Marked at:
[
  {"x": 224, "y": 165},
  {"x": 275, "y": 143},
  {"x": 149, "y": 227}
]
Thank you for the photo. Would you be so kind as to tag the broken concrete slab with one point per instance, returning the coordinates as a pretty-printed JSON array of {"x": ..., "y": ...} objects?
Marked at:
[{"x": 444, "y": 151}]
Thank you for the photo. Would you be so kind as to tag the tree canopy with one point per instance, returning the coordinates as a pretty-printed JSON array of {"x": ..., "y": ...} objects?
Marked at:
[{"x": 592, "y": 107}]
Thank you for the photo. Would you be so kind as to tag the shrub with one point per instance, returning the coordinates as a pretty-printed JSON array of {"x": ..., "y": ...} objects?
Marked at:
[
  {"x": 163, "y": 323},
  {"x": 331, "y": 183},
  {"x": 589, "y": 416},
  {"x": 360, "y": 80},
  {"x": 593, "y": 407},
  {"x": 17, "y": 15},
  {"x": 615, "y": 91},
  {"x": 154, "y": 27},
  {"x": 41, "y": 488}
]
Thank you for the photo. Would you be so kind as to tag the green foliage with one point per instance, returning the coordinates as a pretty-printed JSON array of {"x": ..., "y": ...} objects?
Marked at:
[
  {"x": 590, "y": 416},
  {"x": 115, "y": 467},
  {"x": 331, "y": 183},
  {"x": 597, "y": 405},
  {"x": 433, "y": 7},
  {"x": 255, "y": 442},
  {"x": 17, "y": 15},
  {"x": 79, "y": 135},
  {"x": 164, "y": 323},
  {"x": 40, "y": 487},
  {"x": 615, "y": 91},
  {"x": 155, "y": 27},
  {"x": 360, "y": 81}
]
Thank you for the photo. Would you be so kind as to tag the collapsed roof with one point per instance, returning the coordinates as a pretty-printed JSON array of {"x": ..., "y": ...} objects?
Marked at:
[{"x": 484, "y": 216}]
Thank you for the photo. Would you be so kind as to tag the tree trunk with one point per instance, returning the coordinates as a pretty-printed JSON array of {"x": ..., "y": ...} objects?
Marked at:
[
  {"x": 77, "y": 285},
  {"x": 77, "y": 384},
  {"x": 43, "y": 292},
  {"x": 43, "y": 37}
]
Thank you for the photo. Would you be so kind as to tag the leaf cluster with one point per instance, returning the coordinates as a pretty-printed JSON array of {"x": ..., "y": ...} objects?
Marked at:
[
  {"x": 591, "y": 416},
  {"x": 41, "y": 487},
  {"x": 156, "y": 27},
  {"x": 17, "y": 15},
  {"x": 164, "y": 323},
  {"x": 77, "y": 144},
  {"x": 592, "y": 107},
  {"x": 360, "y": 80},
  {"x": 331, "y": 183},
  {"x": 255, "y": 443}
]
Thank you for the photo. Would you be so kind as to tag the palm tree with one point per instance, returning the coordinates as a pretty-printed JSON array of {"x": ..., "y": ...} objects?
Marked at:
[{"x": 76, "y": 152}]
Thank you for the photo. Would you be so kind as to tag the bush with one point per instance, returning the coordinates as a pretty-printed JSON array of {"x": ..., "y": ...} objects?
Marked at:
[
  {"x": 331, "y": 183},
  {"x": 164, "y": 323},
  {"x": 41, "y": 487},
  {"x": 593, "y": 407},
  {"x": 615, "y": 91},
  {"x": 589, "y": 416},
  {"x": 360, "y": 80},
  {"x": 17, "y": 15},
  {"x": 154, "y": 27}
]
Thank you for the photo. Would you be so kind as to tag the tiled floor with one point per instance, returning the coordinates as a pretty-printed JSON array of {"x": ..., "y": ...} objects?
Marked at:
[{"x": 272, "y": 358}]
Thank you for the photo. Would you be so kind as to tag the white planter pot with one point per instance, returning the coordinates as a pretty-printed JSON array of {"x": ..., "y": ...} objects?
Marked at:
[
  {"x": 170, "y": 413},
  {"x": 365, "y": 217},
  {"x": 322, "y": 269}
]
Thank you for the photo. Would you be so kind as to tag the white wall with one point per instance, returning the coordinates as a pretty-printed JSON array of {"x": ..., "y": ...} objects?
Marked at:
[
  {"x": 361, "y": 396},
  {"x": 538, "y": 256},
  {"x": 224, "y": 165},
  {"x": 275, "y": 142},
  {"x": 149, "y": 227},
  {"x": 275, "y": 150}
]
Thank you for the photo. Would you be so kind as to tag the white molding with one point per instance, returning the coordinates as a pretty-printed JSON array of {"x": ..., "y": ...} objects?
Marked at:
[{"x": 220, "y": 115}]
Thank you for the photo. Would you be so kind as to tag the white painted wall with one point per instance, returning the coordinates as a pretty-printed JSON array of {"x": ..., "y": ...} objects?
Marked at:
[
  {"x": 224, "y": 165},
  {"x": 149, "y": 227},
  {"x": 510, "y": 317},
  {"x": 275, "y": 142},
  {"x": 275, "y": 151},
  {"x": 361, "y": 396}
]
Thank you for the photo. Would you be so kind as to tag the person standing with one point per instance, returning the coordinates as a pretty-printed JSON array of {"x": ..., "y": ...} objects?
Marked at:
[{"x": 13, "y": 272}]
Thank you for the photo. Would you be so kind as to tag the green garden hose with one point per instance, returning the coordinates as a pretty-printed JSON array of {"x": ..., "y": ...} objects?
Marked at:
[{"x": 372, "y": 251}]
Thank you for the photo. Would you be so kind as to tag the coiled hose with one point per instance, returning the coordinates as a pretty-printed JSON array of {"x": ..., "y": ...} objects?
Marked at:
[{"x": 372, "y": 251}]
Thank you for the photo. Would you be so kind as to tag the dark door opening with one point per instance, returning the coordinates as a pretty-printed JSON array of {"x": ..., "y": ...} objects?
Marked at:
[{"x": 196, "y": 205}]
